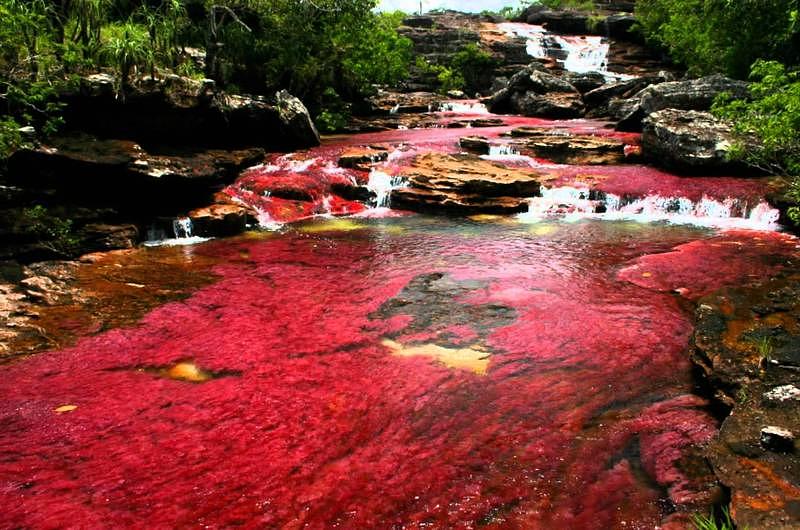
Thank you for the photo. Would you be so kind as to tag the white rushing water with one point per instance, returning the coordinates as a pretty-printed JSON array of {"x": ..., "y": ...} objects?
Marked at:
[
  {"x": 182, "y": 231},
  {"x": 583, "y": 53},
  {"x": 573, "y": 204},
  {"x": 463, "y": 107},
  {"x": 382, "y": 184}
]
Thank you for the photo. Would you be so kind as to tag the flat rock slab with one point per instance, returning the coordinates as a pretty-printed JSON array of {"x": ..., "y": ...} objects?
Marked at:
[
  {"x": 739, "y": 341},
  {"x": 464, "y": 184},
  {"x": 565, "y": 148}
]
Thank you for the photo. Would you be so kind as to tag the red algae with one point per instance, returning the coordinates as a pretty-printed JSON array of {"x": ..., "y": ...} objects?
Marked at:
[
  {"x": 700, "y": 267},
  {"x": 580, "y": 419}
]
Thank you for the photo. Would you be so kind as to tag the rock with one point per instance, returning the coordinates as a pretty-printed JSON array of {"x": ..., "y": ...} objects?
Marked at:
[
  {"x": 362, "y": 157},
  {"x": 783, "y": 393},
  {"x": 122, "y": 175},
  {"x": 555, "y": 106},
  {"x": 297, "y": 122},
  {"x": 178, "y": 111},
  {"x": 619, "y": 27},
  {"x": 600, "y": 97},
  {"x": 565, "y": 148},
  {"x": 532, "y": 92},
  {"x": 688, "y": 141},
  {"x": 389, "y": 102},
  {"x": 464, "y": 184},
  {"x": 456, "y": 94},
  {"x": 220, "y": 220},
  {"x": 694, "y": 94},
  {"x": 530, "y": 79},
  {"x": 755, "y": 454},
  {"x": 418, "y": 22},
  {"x": 476, "y": 144},
  {"x": 777, "y": 439},
  {"x": 564, "y": 22},
  {"x": 100, "y": 237},
  {"x": 585, "y": 82}
]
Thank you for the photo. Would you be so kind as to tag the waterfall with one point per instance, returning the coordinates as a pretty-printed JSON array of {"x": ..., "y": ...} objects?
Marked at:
[
  {"x": 182, "y": 228},
  {"x": 573, "y": 204},
  {"x": 578, "y": 54},
  {"x": 381, "y": 185}
]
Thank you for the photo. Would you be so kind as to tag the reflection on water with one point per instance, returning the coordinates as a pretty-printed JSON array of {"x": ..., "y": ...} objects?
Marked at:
[{"x": 409, "y": 372}]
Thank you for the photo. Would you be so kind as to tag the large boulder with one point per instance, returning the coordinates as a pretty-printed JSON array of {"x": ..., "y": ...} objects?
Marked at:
[
  {"x": 602, "y": 95},
  {"x": 464, "y": 184},
  {"x": 122, "y": 175},
  {"x": 693, "y": 94},
  {"x": 688, "y": 141},
  {"x": 178, "y": 111},
  {"x": 532, "y": 92}
]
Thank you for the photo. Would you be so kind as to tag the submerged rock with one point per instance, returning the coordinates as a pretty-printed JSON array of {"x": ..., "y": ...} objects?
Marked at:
[
  {"x": 688, "y": 141},
  {"x": 464, "y": 184}
]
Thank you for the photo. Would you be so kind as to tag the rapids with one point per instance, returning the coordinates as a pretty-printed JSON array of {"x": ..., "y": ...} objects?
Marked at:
[{"x": 383, "y": 369}]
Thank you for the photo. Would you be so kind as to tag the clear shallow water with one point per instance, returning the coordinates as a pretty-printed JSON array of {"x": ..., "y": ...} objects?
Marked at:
[{"x": 410, "y": 372}]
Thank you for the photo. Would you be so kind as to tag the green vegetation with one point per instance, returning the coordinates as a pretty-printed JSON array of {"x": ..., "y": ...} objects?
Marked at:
[
  {"x": 755, "y": 38},
  {"x": 327, "y": 52},
  {"x": 768, "y": 126},
  {"x": 465, "y": 70},
  {"x": 720, "y": 35},
  {"x": 50, "y": 231},
  {"x": 577, "y": 5},
  {"x": 723, "y": 522}
]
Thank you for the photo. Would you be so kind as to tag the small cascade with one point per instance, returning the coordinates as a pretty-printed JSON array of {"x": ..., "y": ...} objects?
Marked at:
[
  {"x": 182, "y": 230},
  {"x": 182, "y": 227},
  {"x": 463, "y": 107},
  {"x": 381, "y": 185},
  {"x": 572, "y": 204}
]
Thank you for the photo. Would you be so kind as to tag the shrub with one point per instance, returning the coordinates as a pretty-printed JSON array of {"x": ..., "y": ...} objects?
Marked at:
[{"x": 768, "y": 125}]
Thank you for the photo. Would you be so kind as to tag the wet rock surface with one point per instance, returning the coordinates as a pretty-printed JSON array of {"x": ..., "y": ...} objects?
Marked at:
[
  {"x": 566, "y": 148},
  {"x": 50, "y": 304},
  {"x": 688, "y": 141},
  {"x": 464, "y": 184},
  {"x": 745, "y": 345}
]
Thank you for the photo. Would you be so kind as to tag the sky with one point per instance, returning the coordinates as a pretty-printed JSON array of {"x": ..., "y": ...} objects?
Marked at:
[{"x": 473, "y": 6}]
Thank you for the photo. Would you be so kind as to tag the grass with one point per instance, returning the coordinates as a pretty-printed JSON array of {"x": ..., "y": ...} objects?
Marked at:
[{"x": 710, "y": 522}]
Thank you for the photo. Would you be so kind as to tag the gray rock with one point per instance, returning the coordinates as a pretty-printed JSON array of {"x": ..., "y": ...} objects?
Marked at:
[
  {"x": 296, "y": 119},
  {"x": 689, "y": 141},
  {"x": 693, "y": 94}
]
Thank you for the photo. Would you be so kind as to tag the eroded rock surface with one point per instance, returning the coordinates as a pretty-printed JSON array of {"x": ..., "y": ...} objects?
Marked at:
[
  {"x": 746, "y": 344},
  {"x": 464, "y": 184},
  {"x": 688, "y": 141}
]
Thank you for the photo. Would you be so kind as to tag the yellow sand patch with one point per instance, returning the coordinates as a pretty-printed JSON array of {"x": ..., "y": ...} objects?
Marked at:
[
  {"x": 65, "y": 408},
  {"x": 646, "y": 274},
  {"x": 188, "y": 371},
  {"x": 462, "y": 358},
  {"x": 331, "y": 225},
  {"x": 486, "y": 218}
]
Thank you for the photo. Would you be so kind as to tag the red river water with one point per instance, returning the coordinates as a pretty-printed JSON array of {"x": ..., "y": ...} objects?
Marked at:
[{"x": 395, "y": 372}]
